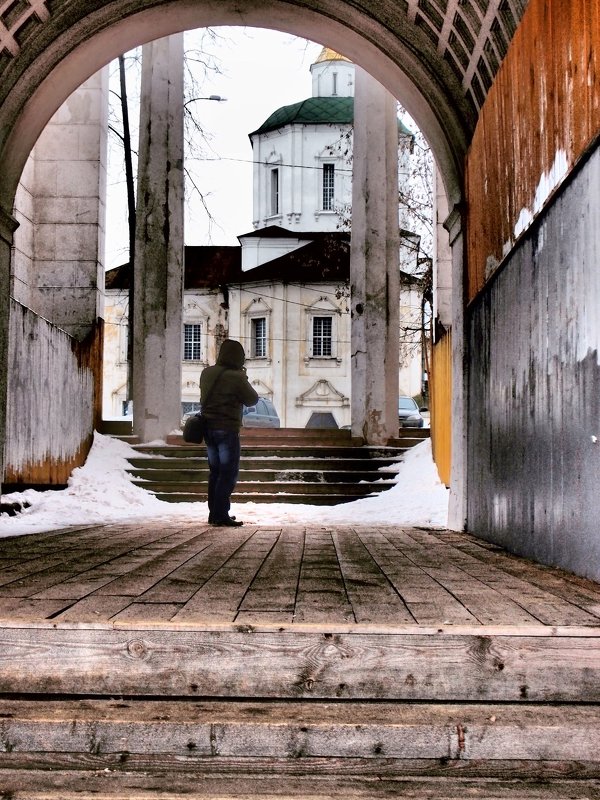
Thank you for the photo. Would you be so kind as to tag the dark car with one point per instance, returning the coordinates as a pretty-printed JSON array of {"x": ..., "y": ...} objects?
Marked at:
[
  {"x": 262, "y": 415},
  {"x": 409, "y": 415}
]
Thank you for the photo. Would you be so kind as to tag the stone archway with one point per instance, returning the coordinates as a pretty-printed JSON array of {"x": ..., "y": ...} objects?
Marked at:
[
  {"x": 53, "y": 52},
  {"x": 48, "y": 49}
]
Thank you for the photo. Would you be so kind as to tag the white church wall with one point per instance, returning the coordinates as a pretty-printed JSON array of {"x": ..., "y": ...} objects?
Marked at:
[
  {"x": 300, "y": 187},
  {"x": 297, "y": 383}
]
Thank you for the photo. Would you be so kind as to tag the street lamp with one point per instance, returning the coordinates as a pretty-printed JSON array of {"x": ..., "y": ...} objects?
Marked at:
[{"x": 216, "y": 97}]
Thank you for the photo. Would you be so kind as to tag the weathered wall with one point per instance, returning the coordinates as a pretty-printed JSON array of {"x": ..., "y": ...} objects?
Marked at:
[
  {"x": 53, "y": 399},
  {"x": 534, "y": 404},
  {"x": 57, "y": 266},
  {"x": 540, "y": 115}
]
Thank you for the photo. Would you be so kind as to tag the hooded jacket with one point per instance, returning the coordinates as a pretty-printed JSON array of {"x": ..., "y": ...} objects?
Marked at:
[{"x": 227, "y": 388}]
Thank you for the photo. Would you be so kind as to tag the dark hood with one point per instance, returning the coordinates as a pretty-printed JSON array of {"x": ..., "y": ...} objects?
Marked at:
[{"x": 231, "y": 354}]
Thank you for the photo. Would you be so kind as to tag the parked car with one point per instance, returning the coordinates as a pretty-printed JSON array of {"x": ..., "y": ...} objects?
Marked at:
[
  {"x": 262, "y": 415},
  {"x": 409, "y": 415}
]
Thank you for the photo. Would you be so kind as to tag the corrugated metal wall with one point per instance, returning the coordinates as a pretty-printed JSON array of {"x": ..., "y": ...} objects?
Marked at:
[
  {"x": 534, "y": 400},
  {"x": 54, "y": 399},
  {"x": 542, "y": 112},
  {"x": 441, "y": 406}
]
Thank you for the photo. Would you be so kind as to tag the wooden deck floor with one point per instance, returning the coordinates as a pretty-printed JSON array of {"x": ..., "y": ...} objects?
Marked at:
[{"x": 181, "y": 574}]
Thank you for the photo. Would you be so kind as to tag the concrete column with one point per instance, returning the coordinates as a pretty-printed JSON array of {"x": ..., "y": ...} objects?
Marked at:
[
  {"x": 8, "y": 225},
  {"x": 374, "y": 263},
  {"x": 158, "y": 265},
  {"x": 457, "y": 507}
]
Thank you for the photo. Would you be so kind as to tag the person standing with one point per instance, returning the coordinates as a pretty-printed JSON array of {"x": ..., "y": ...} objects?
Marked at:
[{"x": 224, "y": 391}]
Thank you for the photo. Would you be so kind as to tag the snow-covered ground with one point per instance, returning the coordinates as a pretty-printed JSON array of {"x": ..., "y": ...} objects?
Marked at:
[{"x": 100, "y": 492}]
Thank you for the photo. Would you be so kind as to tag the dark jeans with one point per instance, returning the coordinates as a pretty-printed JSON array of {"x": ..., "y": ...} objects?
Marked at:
[{"x": 223, "y": 449}]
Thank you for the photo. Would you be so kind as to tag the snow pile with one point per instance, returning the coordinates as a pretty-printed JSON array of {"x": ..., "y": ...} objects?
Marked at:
[{"x": 101, "y": 492}]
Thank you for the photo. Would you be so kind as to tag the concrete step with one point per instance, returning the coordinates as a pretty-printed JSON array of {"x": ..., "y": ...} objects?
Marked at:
[
  {"x": 282, "y": 451},
  {"x": 275, "y": 464},
  {"x": 272, "y": 487},
  {"x": 296, "y": 473},
  {"x": 297, "y": 749},
  {"x": 173, "y": 475},
  {"x": 332, "y": 498}
]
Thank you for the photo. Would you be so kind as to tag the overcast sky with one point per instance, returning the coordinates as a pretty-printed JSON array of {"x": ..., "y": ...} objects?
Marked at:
[{"x": 261, "y": 71}]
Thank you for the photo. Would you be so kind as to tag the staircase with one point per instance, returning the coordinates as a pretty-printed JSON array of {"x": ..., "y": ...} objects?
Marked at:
[
  {"x": 316, "y": 467},
  {"x": 147, "y": 711}
]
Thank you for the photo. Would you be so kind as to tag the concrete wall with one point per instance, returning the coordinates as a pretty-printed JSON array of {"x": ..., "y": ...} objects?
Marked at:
[
  {"x": 534, "y": 402},
  {"x": 53, "y": 400},
  {"x": 58, "y": 252}
]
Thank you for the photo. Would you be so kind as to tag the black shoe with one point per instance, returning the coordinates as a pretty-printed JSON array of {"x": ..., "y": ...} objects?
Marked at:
[
  {"x": 211, "y": 519},
  {"x": 228, "y": 522}
]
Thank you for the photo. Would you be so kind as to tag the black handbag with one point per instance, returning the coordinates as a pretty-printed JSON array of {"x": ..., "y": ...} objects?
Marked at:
[{"x": 193, "y": 430}]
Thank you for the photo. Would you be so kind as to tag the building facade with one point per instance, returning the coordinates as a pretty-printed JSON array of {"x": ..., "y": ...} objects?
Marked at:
[{"x": 284, "y": 293}]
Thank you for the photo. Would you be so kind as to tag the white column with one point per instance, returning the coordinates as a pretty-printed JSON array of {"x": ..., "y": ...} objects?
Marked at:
[
  {"x": 374, "y": 265},
  {"x": 158, "y": 264},
  {"x": 457, "y": 507}
]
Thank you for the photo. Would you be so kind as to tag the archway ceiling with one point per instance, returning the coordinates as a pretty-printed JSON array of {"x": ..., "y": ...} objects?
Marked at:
[{"x": 450, "y": 50}]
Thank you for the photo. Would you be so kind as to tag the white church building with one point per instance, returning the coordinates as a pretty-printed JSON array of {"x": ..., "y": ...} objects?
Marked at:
[{"x": 284, "y": 292}]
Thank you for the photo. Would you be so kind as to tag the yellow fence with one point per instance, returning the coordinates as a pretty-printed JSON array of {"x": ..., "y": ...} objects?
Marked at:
[{"x": 441, "y": 406}]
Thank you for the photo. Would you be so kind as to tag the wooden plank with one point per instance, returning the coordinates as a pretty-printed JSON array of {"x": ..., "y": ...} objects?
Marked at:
[
  {"x": 220, "y": 597},
  {"x": 182, "y": 583},
  {"x": 148, "y": 612},
  {"x": 289, "y": 663},
  {"x": 73, "y": 562},
  {"x": 93, "y": 609},
  {"x": 252, "y": 619},
  {"x": 24, "y": 608},
  {"x": 428, "y": 602},
  {"x": 371, "y": 594},
  {"x": 307, "y": 730},
  {"x": 321, "y": 594},
  {"x": 565, "y": 588},
  {"x": 544, "y": 605},
  {"x": 481, "y": 600},
  {"x": 160, "y": 783},
  {"x": 275, "y": 585},
  {"x": 155, "y": 566}
]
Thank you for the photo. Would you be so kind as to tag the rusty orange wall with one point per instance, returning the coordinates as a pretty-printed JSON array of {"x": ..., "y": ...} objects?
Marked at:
[
  {"x": 54, "y": 399},
  {"x": 441, "y": 406},
  {"x": 545, "y": 101}
]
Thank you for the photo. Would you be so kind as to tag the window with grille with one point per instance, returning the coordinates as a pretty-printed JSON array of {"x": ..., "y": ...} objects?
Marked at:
[
  {"x": 274, "y": 192},
  {"x": 322, "y": 336},
  {"x": 189, "y": 407},
  {"x": 192, "y": 338},
  {"x": 259, "y": 337},
  {"x": 328, "y": 186}
]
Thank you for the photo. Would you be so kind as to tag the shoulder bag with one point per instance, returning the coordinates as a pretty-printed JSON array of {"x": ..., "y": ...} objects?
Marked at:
[{"x": 193, "y": 430}]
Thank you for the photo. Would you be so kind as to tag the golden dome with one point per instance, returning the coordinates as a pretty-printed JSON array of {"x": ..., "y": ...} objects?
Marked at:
[{"x": 327, "y": 54}]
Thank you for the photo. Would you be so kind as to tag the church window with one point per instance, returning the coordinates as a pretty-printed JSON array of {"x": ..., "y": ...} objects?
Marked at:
[
  {"x": 259, "y": 337},
  {"x": 322, "y": 337},
  {"x": 335, "y": 83},
  {"x": 328, "y": 186},
  {"x": 192, "y": 339},
  {"x": 274, "y": 192}
]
